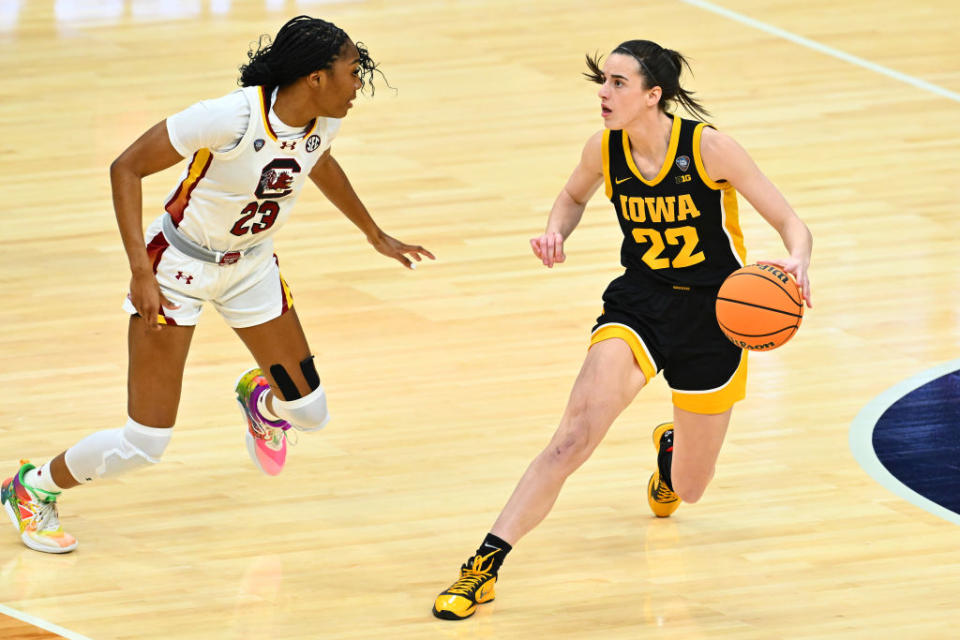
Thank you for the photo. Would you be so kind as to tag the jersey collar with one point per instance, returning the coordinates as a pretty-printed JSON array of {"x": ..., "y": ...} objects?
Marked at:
[
  {"x": 265, "y": 102},
  {"x": 667, "y": 161}
]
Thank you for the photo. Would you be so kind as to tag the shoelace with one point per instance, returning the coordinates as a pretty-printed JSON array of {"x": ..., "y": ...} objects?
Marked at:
[
  {"x": 47, "y": 518},
  {"x": 273, "y": 434},
  {"x": 470, "y": 578},
  {"x": 663, "y": 493}
]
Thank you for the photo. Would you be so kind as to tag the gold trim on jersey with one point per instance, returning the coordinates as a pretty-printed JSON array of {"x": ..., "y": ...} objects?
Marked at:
[
  {"x": 264, "y": 116},
  {"x": 667, "y": 161},
  {"x": 698, "y": 160},
  {"x": 605, "y": 151},
  {"x": 628, "y": 335},
  {"x": 264, "y": 110},
  {"x": 729, "y": 206},
  {"x": 731, "y": 223},
  {"x": 177, "y": 204},
  {"x": 716, "y": 400}
]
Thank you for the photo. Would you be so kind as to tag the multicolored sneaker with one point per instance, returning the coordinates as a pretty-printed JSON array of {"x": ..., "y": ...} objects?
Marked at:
[
  {"x": 266, "y": 439},
  {"x": 34, "y": 514},
  {"x": 474, "y": 587},
  {"x": 661, "y": 498}
]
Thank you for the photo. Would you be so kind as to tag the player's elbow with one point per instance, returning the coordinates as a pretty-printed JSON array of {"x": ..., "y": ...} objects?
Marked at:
[{"x": 119, "y": 166}]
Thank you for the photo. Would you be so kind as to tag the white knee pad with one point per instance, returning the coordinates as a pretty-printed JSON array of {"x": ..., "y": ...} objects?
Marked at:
[
  {"x": 115, "y": 451},
  {"x": 308, "y": 413}
]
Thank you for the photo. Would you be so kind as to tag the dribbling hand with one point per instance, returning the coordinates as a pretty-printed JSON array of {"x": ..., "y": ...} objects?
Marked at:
[
  {"x": 798, "y": 269},
  {"x": 549, "y": 248}
]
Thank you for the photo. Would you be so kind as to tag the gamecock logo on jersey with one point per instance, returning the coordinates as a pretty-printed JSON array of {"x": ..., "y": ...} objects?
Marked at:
[{"x": 276, "y": 179}]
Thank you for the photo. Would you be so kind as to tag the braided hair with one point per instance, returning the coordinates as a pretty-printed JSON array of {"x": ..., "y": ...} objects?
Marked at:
[
  {"x": 303, "y": 45},
  {"x": 659, "y": 67}
]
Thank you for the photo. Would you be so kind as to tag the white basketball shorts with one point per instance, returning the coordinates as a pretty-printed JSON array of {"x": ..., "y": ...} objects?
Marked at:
[{"x": 248, "y": 292}]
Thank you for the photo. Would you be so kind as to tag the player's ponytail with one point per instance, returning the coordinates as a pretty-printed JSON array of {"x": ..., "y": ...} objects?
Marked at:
[
  {"x": 258, "y": 71},
  {"x": 303, "y": 45},
  {"x": 681, "y": 95},
  {"x": 660, "y": 68}
]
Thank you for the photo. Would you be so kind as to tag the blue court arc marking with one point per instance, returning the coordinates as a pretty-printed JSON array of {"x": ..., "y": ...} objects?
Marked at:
[{"x": 908, "y": 440}]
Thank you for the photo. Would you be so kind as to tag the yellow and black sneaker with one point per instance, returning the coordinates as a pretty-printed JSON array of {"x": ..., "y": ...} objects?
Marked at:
[
  {"x": 663, "y": 501},
  {"x": 474, "y": 587}
]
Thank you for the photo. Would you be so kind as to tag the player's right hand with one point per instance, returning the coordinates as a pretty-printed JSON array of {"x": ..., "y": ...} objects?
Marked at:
[
  {"x": 549, "y": 248},
  {"x": 147, "y": 299}
]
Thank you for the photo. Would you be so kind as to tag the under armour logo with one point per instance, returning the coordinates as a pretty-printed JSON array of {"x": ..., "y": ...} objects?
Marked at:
[
  {"x": 283, "y": 145},
  {"x": 181, "y": 276}
]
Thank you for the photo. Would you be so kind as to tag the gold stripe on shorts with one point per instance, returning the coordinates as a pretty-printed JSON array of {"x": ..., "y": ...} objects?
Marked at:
[
  {"x": 717, "y": 400},
  {"x": 629, "y": 336}
]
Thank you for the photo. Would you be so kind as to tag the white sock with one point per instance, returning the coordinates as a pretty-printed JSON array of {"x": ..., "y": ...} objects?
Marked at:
[{"x": 41, "y": 478}]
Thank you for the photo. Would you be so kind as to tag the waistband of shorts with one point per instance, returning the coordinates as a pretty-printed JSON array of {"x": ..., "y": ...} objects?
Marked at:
[
  {"x": 641, "y": 277},
  {"x": 190, "y": 248}
]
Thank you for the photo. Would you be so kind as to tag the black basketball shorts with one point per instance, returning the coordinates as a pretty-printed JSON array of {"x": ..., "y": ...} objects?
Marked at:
[{"x": 675, "y": 330}]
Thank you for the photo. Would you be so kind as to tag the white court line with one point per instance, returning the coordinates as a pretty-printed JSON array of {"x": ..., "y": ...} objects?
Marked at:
[
  {"x": 822, "y": 48},
  {"x": 861, "y": 439},
  {"x": 43, "y": 624}
]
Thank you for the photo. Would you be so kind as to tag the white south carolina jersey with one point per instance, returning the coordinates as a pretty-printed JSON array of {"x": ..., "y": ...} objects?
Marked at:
[{"x": 246, "y": 169}]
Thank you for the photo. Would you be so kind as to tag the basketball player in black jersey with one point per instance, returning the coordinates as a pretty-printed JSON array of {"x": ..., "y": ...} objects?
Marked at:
[{"x": 673, "y": 185}]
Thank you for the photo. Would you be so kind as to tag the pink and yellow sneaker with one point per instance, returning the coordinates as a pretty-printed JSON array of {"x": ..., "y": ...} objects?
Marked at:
[
  {"x": 266, "y": 439},
  {"x": 34, "y": 514}
]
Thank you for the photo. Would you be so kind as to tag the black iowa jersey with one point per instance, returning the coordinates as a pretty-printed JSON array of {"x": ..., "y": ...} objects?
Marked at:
[{"x": 681, "y": 227}]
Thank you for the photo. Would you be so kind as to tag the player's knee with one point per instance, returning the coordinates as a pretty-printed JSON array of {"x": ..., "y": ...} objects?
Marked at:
[
  {"x": 689, "y": 495},
  {"x": 285, "y": 384},
  {"x": 689, "y": 490},
  {"x": 569, "y": 449},
  {"x": 308, "y": 413},
  {"x": 117, "y": 451}
]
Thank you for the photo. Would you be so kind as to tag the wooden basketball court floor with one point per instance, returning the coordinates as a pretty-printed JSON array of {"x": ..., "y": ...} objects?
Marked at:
[{"x": 445, "y": 382}]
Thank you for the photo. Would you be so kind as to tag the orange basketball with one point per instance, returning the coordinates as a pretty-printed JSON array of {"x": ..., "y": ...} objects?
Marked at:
[{"x": 759, "y": 307}]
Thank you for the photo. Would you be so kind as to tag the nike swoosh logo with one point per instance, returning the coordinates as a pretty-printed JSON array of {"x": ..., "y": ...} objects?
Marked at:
[{"x": 618, "y": 181}]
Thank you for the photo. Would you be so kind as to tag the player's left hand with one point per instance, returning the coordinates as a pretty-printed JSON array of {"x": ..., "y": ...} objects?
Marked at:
[
  {"x": 798, "y": 269},
  {"x": 393, "y": 248}
]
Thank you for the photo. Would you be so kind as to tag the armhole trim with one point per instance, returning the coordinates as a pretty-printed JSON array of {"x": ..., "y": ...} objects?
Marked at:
[
  {"x": 698, "y": 160},
  {"x": 605, "y": 151}
]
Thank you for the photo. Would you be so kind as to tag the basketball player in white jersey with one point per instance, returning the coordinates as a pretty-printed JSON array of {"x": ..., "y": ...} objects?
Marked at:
[{"x": 250, "y": 154}]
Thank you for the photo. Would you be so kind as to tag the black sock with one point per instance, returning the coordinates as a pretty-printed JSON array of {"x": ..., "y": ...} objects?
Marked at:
[
  {"x": 496, "y": 549},
  {"x": 665, "y": 457}
]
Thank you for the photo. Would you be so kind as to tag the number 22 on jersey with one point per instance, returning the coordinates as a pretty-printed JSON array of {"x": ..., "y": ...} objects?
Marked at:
[{"x": 665, "y": 209}]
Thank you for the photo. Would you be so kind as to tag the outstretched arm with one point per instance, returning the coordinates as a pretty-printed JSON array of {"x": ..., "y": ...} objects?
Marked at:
[
  {"x": 569, "y": 205},
  {"x": 332, "y": 181},
  {"x": 152, "y": 152},
  {"x": 724, "y": 159}
]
